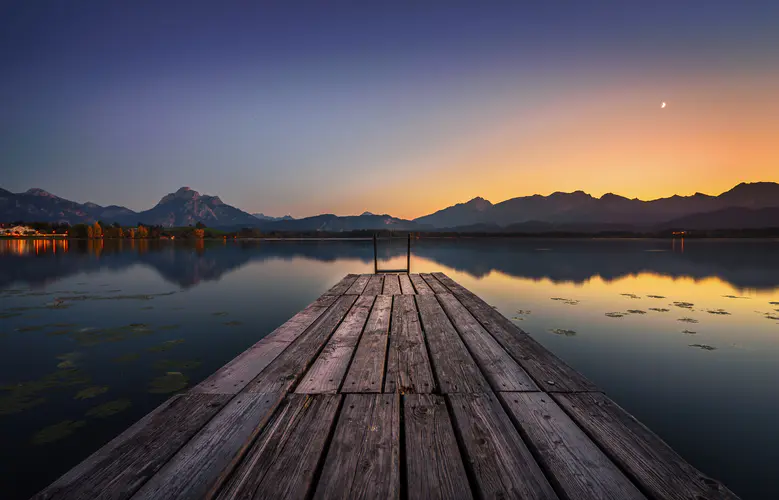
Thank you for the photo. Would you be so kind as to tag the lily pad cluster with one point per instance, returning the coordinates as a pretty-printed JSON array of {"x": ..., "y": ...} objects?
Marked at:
[
  {"x": 570, "y": 302},
  {"x": 705, "y": 347}
]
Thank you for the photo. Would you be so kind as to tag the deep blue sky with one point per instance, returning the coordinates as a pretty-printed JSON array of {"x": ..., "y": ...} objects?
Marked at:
[{"x": 309, "y": 107}]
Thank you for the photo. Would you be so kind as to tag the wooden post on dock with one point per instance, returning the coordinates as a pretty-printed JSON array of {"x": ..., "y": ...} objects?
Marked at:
[{"x": 375, "y": 255}]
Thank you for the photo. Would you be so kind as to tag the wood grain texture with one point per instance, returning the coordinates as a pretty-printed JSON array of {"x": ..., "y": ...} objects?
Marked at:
[
  {"x": 501, "y": 463},
  {"x": 659, "y": 470},
  {"x": 375, "y": 285},
  {"x": 406, "y": 288},
  {"x": 289, "y": 366},
  {"x": 408, "y": 367},
  {"x": 502, "y": 371},
  {"x": 363, "y": 461},
  {"x": 121, "y": 467},
  {"x": 391, "y": 285},
  {"x": 203, "y": 464},
  {"x": 579, "y": 468},
  {"x": 366, "y": 373},
  {"x": 327, "y": 372},
  {"x": 455, "y": 369},
  {"x": 434, "y": 467},
  {"x": 421, "y": 286},
  {"x": 235, "y": 375},
  {"x": 548, "y": 371},
  {"x": 282, "y": 462},
  {"x": 435, "y": 285},
  {"x": 359, "y": 284},
  {"x": 343, "y": 285}
]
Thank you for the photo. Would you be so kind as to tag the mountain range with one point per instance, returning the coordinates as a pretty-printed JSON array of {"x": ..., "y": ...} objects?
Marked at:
[{"x": 747, "y": 205}]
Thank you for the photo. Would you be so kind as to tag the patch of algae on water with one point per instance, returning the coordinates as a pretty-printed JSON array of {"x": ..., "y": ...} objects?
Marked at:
[
  {"x": 684, "y": 305},
  {"x": 721, "y": 312},
  {"x": 165, "y": 345},
  {"x": 705, "y": 347},
  {"x": 659, "y": 309},
  {"x": 220, "y": 313},
  {"x": 170, "y": 382},
  {"x": 689, "y": 332},
  {"x": 615, "y": 314},
  {"x": 636, "y": 311},
  {"x": 656, "y": 296},
  {"x": 94, "y": 336},
  {"x": 233, "y": 323},
  {"x": 56, "y": 432},
  {"x": 91, "y": 392},
  {"x": 562, "y": 331},
  {"x": 570, "y": 302},
  {"x": 110, "y": 408},
  {"x": 631, "y": 295},
  {"x": 68, "y": 360},
  {"x": 21, "y": 396},
  {"x": 688, "y": 320}
]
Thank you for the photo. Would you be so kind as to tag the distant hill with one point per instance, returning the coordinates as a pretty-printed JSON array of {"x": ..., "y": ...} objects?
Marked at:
[
  {"x": 188, "y": 207},
  {"x": 335, "y": 223},
  {"x": 581, "y": 208},
  {"x": 747, "y": 205},
  {"x": 262, "y": 216},
  {"x": 37, "y": 205},
  {"x": 727, "y": 218}
]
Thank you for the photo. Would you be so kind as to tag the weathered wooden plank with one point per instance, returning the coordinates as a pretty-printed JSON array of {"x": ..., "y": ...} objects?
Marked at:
[
  {"x": 283, "y": 460},
  {"x": 434, "y": 467},
  {"x": 286, "y": 369},
  {"x": 434, "y": 284},
  {"x": 364, "y": 456},
  {"x": 455, "y": 369},
  {"x": 487, "y": 315},
  {"x": 578, "y": 467},
  {"x": 359, "y": 284},
  {"x": 205, "y": 462},
  {"x": 235, "y": 375},
  {"x": 121, "y": 467},
  {"x": 406, "y": 288},
  {"x": 497, "y": 365},
  {"x": 343, "y": 285},
  {"x": 659, "y": 470},
  {"x": 420, "y": 285},
  {"x": 391, "y": 285},
  {"x": 375, "y": 285},
  {"x": 501, "y": 463},
  {"x": 548, "y": 371},
  {"x": 408, "y": 367},
  {"x": 327, "y": 372},
  {"x": 366, "y": 372}
]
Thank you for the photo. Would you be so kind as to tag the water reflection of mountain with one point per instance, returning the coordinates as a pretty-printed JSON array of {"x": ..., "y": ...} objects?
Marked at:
[
  {"x": 183, "y": 263},
  {"x": 744, "y": 264}
]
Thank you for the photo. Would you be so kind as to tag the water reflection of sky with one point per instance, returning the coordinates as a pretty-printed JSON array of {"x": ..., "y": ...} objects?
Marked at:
[{"x": 131, "y": 313}]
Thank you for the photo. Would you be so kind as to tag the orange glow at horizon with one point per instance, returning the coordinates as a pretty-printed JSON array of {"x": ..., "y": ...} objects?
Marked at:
[{"x": 612, "y": 139}]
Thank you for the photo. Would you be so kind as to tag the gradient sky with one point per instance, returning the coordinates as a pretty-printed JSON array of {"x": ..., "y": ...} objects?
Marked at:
[{"x": 393, "y": 107}]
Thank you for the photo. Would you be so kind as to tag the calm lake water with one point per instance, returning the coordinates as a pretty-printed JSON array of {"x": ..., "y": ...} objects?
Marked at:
[{"x": 94, "y": 335}]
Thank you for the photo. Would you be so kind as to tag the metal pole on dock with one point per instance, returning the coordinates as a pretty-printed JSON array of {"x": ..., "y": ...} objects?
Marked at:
[
  {"x": 408, "y": 255},
  {"x": 375, "y": 256}
]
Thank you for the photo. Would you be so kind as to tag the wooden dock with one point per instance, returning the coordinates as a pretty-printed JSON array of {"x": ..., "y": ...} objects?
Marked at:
[{"x": 390, "y": 386}]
